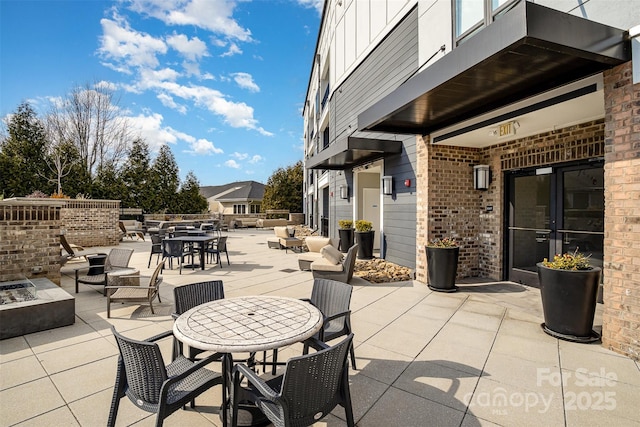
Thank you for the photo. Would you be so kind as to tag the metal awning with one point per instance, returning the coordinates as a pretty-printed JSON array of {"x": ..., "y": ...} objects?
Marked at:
[
  {"x": 527, "y": 51},
  {"x": 352, "y": 151}
]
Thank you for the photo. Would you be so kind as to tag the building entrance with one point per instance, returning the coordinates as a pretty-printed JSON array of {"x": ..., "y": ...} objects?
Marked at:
[{"x": 553, "y": 210}]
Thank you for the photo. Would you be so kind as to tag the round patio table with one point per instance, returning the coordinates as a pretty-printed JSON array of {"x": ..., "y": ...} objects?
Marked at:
[{"x": 246, "y": 324}]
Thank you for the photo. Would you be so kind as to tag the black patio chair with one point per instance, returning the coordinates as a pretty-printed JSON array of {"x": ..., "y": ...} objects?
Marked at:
[
  {"x": 332, "y": 298},
  {"x": 188, "y": 296},
  {"x": 118, "y": 259},
  {"x": 156, "y": 248},
  {"x": 310, "y": 388},
  {"x": 217, "y": 248},
  {"x": 176, "y": 249},
  {"x": 153, "y": 387}
]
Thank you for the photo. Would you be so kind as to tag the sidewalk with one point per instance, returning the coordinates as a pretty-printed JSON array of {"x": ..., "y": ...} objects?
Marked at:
[{"x": 477, "y": 357}]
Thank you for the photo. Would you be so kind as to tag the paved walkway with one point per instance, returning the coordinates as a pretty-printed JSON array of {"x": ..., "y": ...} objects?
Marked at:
[{"x": 474, "y": 358}]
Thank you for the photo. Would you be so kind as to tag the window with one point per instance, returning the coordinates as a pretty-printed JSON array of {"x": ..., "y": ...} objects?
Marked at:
[
  {"x": 325, "y": 138},
  {"x": 239, "y": 209},
  {"x": 470, "y": 16},
  {"x": 255, "y": 209}
]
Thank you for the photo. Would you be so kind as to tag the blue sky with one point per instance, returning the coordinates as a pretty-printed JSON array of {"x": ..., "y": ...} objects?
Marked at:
[{"x": 222, "y": 82}]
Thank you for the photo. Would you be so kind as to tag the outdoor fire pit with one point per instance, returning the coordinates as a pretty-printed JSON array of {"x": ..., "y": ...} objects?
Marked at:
[{"x": 33, "y": 305}]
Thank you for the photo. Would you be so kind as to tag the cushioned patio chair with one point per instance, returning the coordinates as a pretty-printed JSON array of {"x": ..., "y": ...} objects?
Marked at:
[
  {"x": 311, "y": 387},
  {"x": 342, "y": 271},
  {"x": 188, "y": 296},
  {"x": 153, "y": 387},
  {"x": 118, "y": 259},
  {"x": 140, "y": 293},
  {"x": 333, "y": 299}
]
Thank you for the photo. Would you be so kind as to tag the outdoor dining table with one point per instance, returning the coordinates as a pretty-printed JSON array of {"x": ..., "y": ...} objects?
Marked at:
[
  {"x": 201, "y": 240},
  {"x": 246, "y": 324}
]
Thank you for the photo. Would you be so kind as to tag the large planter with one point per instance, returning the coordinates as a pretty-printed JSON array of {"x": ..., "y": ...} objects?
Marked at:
[
  {"x": 364, "y": 239},
  {"x": 346, "y": 239},
  {"x": 442, "y": 267},
  {"x": 569, "y": 302}
]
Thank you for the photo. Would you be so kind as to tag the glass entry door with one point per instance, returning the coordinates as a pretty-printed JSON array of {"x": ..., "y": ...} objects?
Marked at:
[{"x": 553, "y": 210}]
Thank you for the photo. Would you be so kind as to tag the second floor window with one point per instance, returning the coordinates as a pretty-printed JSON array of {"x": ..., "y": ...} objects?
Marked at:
[{"x": 470, "y": 16}]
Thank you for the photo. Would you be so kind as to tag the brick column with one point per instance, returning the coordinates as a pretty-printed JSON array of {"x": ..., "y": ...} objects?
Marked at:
[{"x": 621, "y": 317}]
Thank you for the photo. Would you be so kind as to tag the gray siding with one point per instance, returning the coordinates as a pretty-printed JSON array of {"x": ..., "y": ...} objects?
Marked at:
[{"x": 386, "y": 68}]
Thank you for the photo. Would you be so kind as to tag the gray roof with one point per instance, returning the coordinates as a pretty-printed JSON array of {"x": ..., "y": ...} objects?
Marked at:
[{"x": 241, "y": 190}]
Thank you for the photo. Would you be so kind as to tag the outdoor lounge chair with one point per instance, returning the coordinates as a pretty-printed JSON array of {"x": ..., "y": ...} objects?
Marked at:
[
  {"x": 153, "y": 387},
  {"x": 130, "y": 233},
  {"x": 342, "y": 272},
  {"x": 118, "y": 259},
  {"x": 311, "y": 387},
  {"x": 73, "y": 251},
  {"x": 147, "y": 293}
]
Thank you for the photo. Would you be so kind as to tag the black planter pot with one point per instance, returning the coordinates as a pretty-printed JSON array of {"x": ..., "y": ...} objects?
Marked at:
[
  {"x": 442, "y": 267},
  {"x": 569, "y": 302},
  {"x": 346, "y": 239},
  {"x": 364, "y": 239}
]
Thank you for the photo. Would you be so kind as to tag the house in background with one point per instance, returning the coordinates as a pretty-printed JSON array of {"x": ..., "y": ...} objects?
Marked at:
[
  {"x": 241, "y": 198},
  {"x": 505, "y": 124}
]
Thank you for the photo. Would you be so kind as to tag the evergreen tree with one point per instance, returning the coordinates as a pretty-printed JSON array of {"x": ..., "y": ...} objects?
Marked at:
[
  {"x": 135, "y": 176},
  {"x": 23, "y": 155},
  {"x": 189, "y": 198},
  {"x": 108, "y": 183},
  {"x": 284, "y": 189},
  {"x": 164, "y": 181}
]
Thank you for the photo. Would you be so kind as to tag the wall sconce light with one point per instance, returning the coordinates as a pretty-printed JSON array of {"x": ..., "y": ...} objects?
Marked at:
[
  {"x": 407, "y": 183},
  {"x": 344, "y": 192},
  {"x": 387, "y": 185},
  {"x": 481, "y": 177}
]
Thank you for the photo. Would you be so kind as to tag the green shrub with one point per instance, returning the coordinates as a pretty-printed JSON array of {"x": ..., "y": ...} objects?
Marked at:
[
  {"x": 363, "y": 225},
  {"x": 345, "y": 224},
  {"x": 566, "y": 261}
]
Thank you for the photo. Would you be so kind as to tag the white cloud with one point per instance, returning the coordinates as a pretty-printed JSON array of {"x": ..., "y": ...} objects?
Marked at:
[
  {"x": 169, "y": 102},
  {"x": 212, "y": 15},
  {"x": 234, "y": 49},
  {"x": 193, "y": 49},
  {"x": 312, "y": 4},
  {"x": 203, "y": 146},
  {"x": 245, "y": 81},
  {"x": 256, "y": 159},
  {"x": 127, "y": 47},
  {"x": 240, "y": 156},
  {"x": 232, "y": 164}
]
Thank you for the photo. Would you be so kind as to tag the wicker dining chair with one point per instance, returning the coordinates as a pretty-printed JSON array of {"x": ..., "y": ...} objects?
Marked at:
[
  {"x": 310, "y": 388},
  {"x": 156, "y": 248},
  {"x": 188, "y": 296},
  {"x": 153, "y": 387},
  {"x": 332, "y": 298}
]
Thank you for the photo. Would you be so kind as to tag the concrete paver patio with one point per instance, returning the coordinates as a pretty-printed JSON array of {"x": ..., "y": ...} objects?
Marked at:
[{"x": 477, "y": 357}]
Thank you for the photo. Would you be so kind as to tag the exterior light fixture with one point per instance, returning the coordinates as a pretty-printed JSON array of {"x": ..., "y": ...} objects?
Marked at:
[
  {"x": 481, "y": 177},
  {"x": 344, "y": 192},
  {"x": 407, "y": 183},
  {"x": 387, "y": 185}
]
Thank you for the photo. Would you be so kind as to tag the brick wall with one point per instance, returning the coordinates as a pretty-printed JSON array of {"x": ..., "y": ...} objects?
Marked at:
[
  {"x": 621, "y": 316},
  {"x": 447, "y": 204},
  {"x": 29, "y": 239},
  {"x": 90, "y": 223}
]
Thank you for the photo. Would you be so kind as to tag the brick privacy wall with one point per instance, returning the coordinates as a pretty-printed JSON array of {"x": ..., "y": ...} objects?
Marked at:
[
  {"x": 91, "y": 223},
  {"x": 447, "y": 204},
  {"x": 621, "y": 316},
  {"x": 28, "y": 239}
]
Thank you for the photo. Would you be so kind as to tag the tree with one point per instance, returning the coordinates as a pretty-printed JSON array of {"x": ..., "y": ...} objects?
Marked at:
[
  {"x": 135, "y": 175},
  {"x": 189, "y": 198},
  {"x": 23, "y": 154},
  {"x": 284, "y": 189},
  {"x": 89, "y": 118},
  {"x": 108, "y": 183},
  {"x": 163, "y": 181}
]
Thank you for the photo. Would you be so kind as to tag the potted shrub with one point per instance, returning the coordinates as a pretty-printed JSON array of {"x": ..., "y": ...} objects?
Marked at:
[
  {"x": 569, "y": 289},
  {"x": 345, "y": 231},
  {"x": 364, "y": 238},
  {"x": 442, "y": 264}
]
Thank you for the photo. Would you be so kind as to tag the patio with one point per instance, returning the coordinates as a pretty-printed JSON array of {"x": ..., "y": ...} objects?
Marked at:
[{"x": 477, "y": 357}]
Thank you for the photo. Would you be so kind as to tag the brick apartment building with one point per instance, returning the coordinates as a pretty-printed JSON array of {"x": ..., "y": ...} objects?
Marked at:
[{"x": 538, "y": 95}]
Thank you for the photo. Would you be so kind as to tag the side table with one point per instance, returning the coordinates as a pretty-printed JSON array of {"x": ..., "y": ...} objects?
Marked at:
[{"x": 291, "y": 243}]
